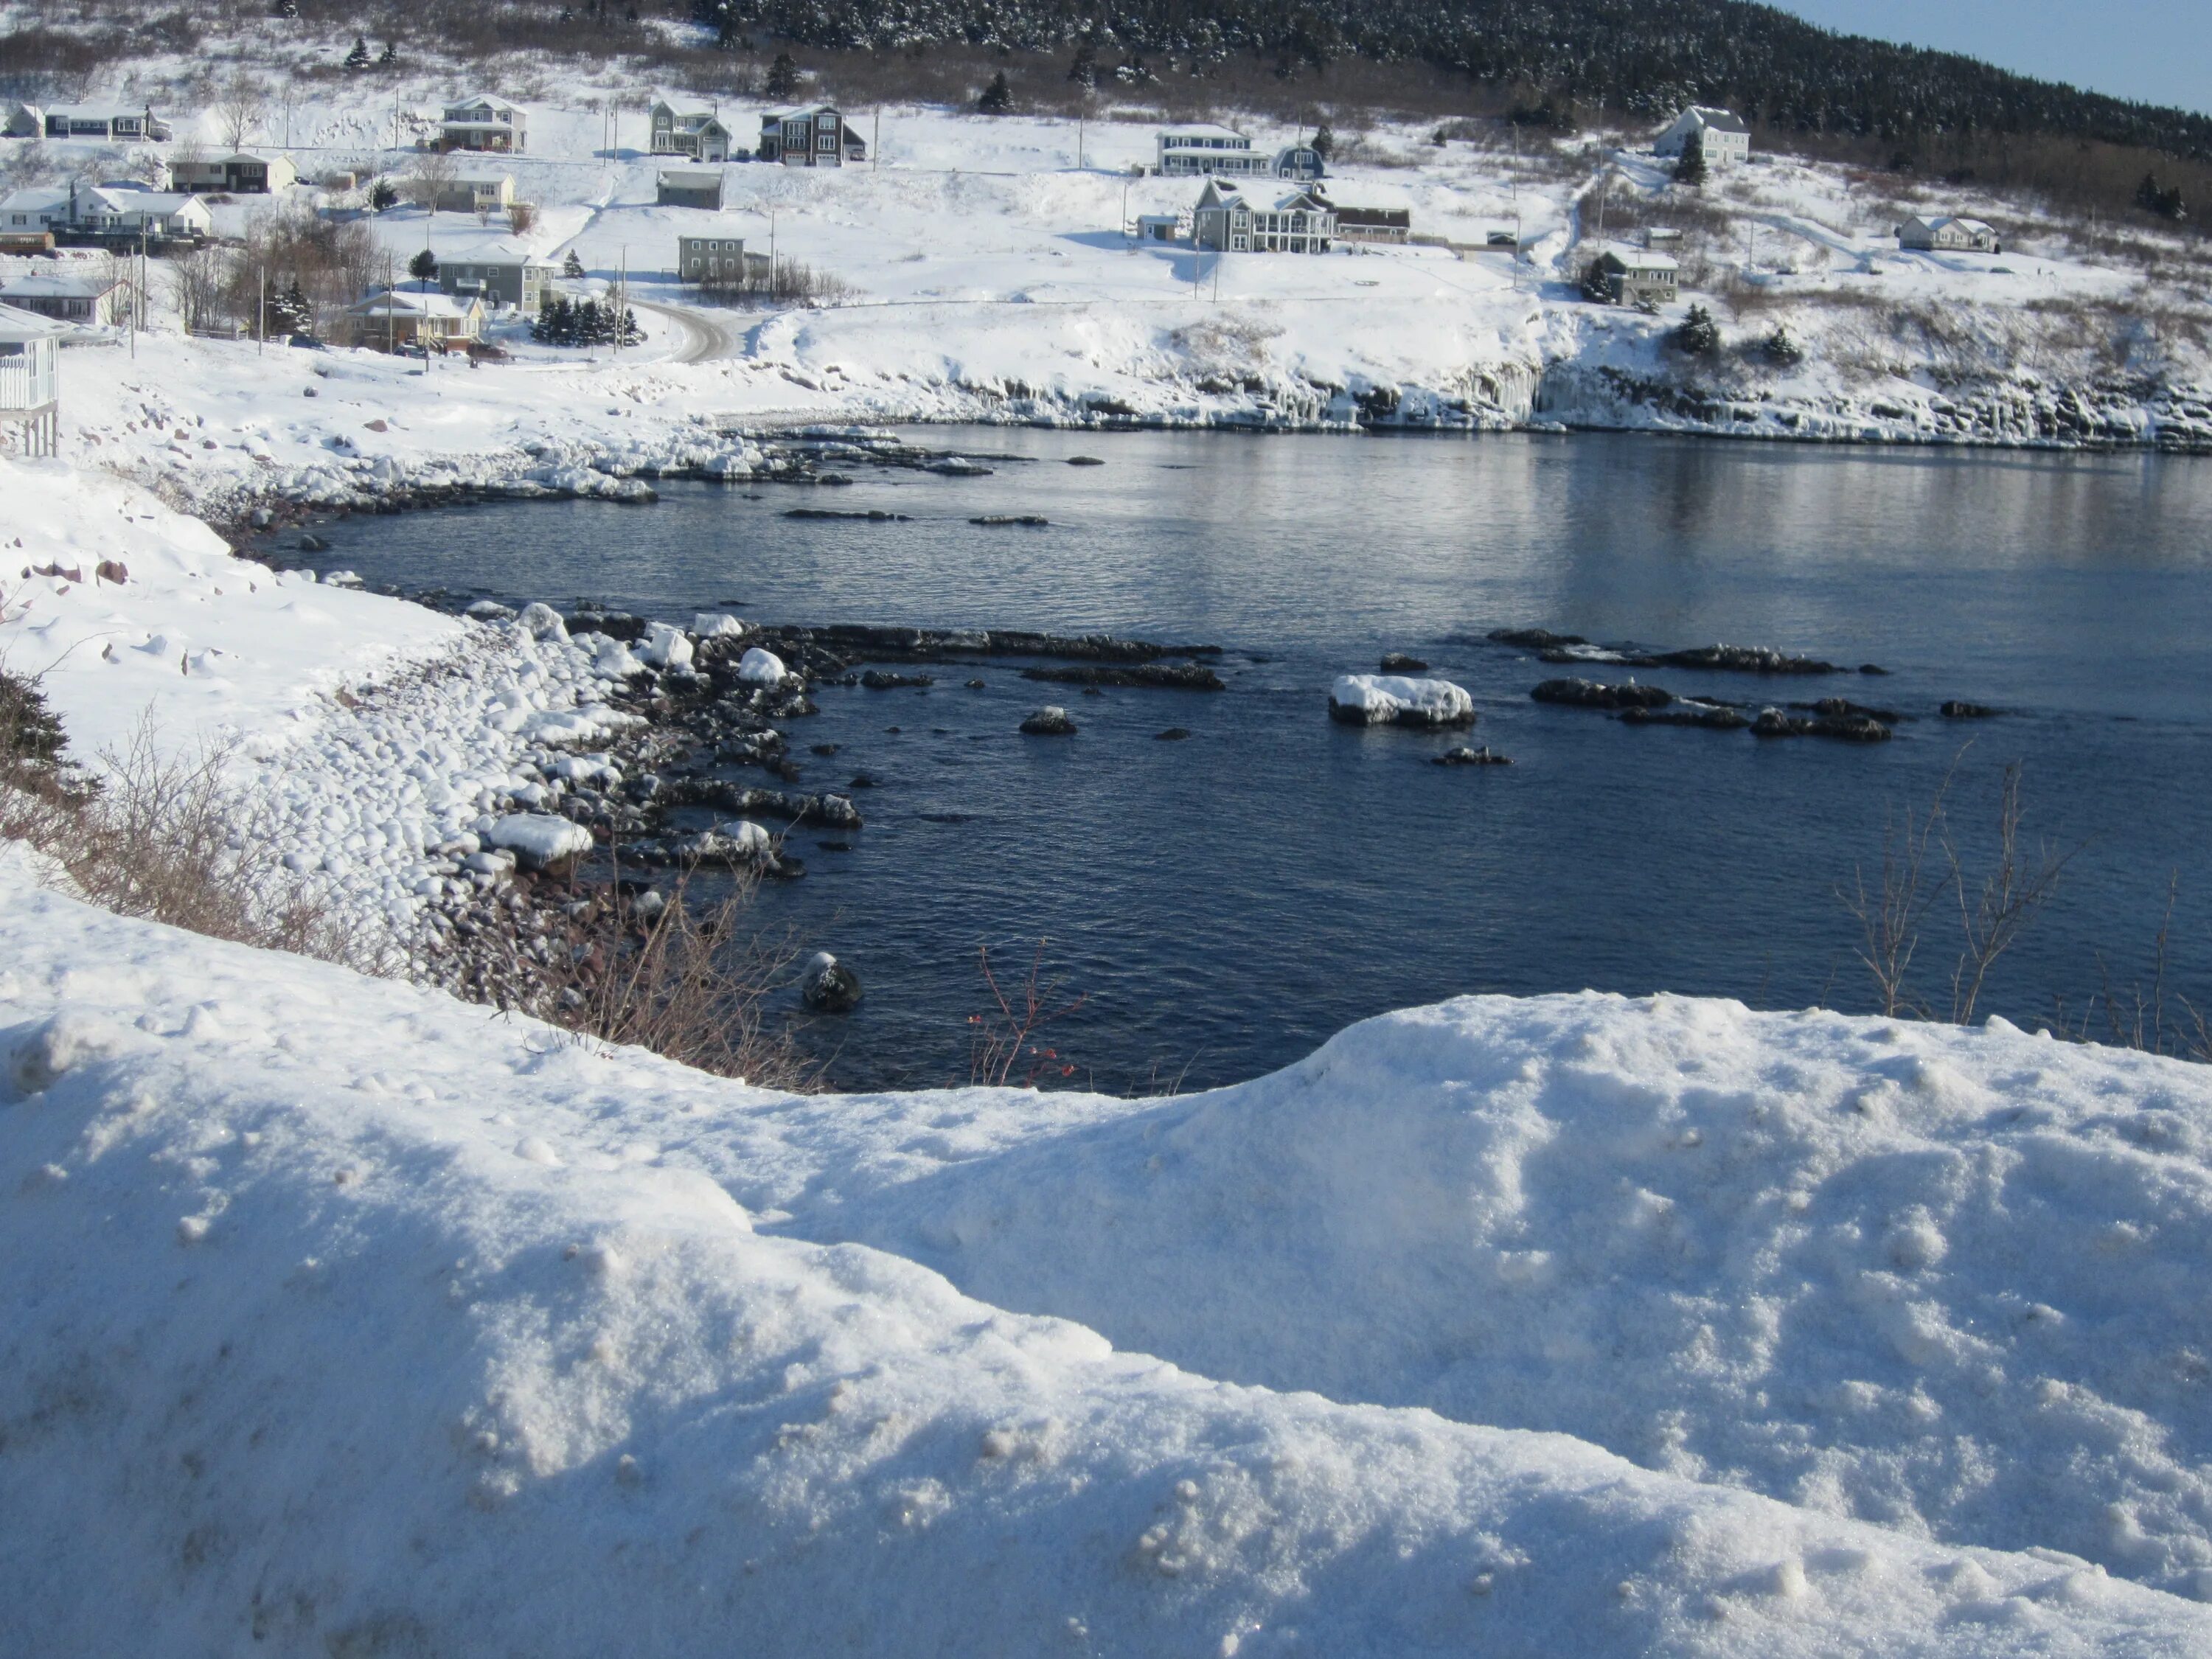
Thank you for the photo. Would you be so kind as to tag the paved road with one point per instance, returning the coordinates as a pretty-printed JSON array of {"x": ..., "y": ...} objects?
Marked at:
[{"x": 702, "y": 336}]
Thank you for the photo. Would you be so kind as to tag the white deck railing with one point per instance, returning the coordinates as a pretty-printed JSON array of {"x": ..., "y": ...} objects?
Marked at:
[{"x": 28, "y": 378}]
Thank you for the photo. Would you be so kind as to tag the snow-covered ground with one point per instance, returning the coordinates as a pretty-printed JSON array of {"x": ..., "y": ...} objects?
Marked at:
[{"x": 347, "y": 1318}]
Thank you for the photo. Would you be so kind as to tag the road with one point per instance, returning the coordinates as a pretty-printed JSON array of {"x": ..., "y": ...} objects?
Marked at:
[{"x": 700, "y": 336}]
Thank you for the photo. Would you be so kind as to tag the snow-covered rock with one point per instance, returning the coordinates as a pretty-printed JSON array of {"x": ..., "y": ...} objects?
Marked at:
[
  {"x": 1394, "y": 700},
  {"x": 717, "y": 625},
  {"x": 667, "y": 646},
  {"x": 760, "y": 667},
  {"x": 539, "y": 839}
]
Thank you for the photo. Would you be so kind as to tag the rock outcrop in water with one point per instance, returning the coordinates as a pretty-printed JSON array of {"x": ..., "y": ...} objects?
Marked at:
[
  {"x": 1597, "y": 694},
  {"x": 1051, "y": 721},
  {"x": 1161, "y": 676}
]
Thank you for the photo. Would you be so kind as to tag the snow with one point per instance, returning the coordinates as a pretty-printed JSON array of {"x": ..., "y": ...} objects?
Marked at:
[
  {"x": 760, "y": 667},
  {"x": 539, "y": 840},
  {"x": 376, "y": 1319},
  {"x": 1381, "y": 699}
]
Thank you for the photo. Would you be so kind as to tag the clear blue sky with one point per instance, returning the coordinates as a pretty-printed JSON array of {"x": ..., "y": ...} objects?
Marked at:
[{"x": 2159, "y": 51}]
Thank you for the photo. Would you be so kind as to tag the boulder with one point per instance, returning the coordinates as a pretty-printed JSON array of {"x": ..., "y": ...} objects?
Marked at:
[
  {"x": 665, "y": 646},
  {"x": 828, "y": 987},
  {"x": 1464, "y": 756},
  {"x": 1051, "y": 721},
  {"x": 543, "y": 621},
  {"x": 759, "y": 667},
  {"x": 1715, "y": 716},
  {"x": 1397, "y": 662},
  {"x": 1851, "y": 728},
  {"x": 876, "y": 679},
  {"x": 1958, "y": 710},
  {"x": 539, "y": 841},
  {"x": 1597, "y": 694},
  {"x": 717, "y": 625}
]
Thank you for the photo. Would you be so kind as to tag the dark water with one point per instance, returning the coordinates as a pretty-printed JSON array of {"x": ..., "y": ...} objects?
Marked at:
[{"x": 1224, "y": 903}]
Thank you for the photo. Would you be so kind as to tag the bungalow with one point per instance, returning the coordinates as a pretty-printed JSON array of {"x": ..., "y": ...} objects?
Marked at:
[
  {"x": 466, "y": 192},
  {"x": 97, "y": 300},
  {"x": 482, "y": 122},
  {"x": 685, "y": 126},
  {"x": 1355, "y": 224},
  {"x": 1300, "y": 222},
  {"x": 688, "y": 187},
  {"x": 112, "y": 212},
  {"x": 415, "y": 314},
  {"x": 1725, "y": 138},
  {"x": 810, "y": 138},
  {"x": 240, "y": 174},
  {"x": 505, "y": 274},
  {"x": 1947, "y": 234},
  {"x": 1631, "y": 276},
  {"x": 24, "y": 121},
  {"x": 717, "y": 258},
  {"x": 107, "y": 121},
  {"x": 39, "y": 207},
  {"x": 30, "y": 378}
]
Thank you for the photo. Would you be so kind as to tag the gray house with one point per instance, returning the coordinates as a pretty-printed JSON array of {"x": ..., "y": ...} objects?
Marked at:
[
  {"x": 691, "y": 187},
  {"x": 687, "y": 126},
  {"x": 810, "y": 138},
  {"x": 502, "y": 276},
  {"x": 717, "y": 258},
  {"x": 1631, "y": 276},
  {"x": 108, "y": 121},
  {"x": 1300, "y": 222}
]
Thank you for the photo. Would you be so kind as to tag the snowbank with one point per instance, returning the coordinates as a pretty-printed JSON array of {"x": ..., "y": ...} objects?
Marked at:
[{"x": 344, "y": 1318}]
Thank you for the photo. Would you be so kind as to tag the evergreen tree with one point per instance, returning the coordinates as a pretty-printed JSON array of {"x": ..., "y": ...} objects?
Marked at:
[
  {"x": 1597, "y": 283},
  {"x": 1324, "y": 142},
  {"x": 382, "y": 197},
  {"x": 1781, "y": 348},
  {"x": 285, "y": 8},
  {"x": 389, "y": 58},
  {"x": 2166, "y": 203},
  {"x": 782, "y": 76},
  {"x": 1699, "y": 335},
  {"x": 288, "y": 312},
  {"x": 998, "y": 98},
  {"x": 423, "y": 265},
  {"x": 573, "y": 267},
  {"x": 1085, "y": 70},
  {"x": 358, "y": 58},
  {"x": 1690, "y": 169}
]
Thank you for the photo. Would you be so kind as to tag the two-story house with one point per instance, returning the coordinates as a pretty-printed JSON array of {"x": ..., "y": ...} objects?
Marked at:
[
  {"x": 810, "y": 138},
  {"x": 241, "y": 174},
  {"x": 689, "y": 126},
  {"x": 716, "y": 258},
  {"x": 483, "y": 122},
  {"x": 505, "y": 274},
  {"x": 1721, "y": 133},
  {"x": 1300, "y": 222}
]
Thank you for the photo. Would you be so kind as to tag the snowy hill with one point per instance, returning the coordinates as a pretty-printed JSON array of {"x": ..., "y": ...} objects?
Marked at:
[{"x": 344, "y": 1318}]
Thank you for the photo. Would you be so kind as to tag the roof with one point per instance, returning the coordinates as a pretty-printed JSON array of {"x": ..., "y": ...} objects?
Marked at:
[
  {"x": 676, "y": 105},
  {"x": 484, "y": 98},
  {"x": 1636, "y": 259},
  {"x": 1303, "y": 198},
  {"x": 483, "y": 177},
  {"x": 18, "y": 325},
  {"x": 44, "y": 287},
  {"x": 690, "y": 178},
  {"x": 95, "y": 111},
  {"x": 1201, "y": 129},
  {"x": 1358, "y": 215},
  {"x": 1719, "y": 120},
  {"x": 494, "y": 253},
  {"x": 33, "y": 196},
  {"x": 774, "y": 118},
  {"x": 147, "y": 201},
  {"x": 411, "y": 301}
]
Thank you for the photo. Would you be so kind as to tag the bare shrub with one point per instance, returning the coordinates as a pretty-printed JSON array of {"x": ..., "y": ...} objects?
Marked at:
[
  {"x": 520, "y": 218},
  {"x": 690, "y": 982},
  {"x": 1003, "y": 1040}
]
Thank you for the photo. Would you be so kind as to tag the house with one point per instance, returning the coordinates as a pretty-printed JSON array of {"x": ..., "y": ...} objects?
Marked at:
[
  {"x": 1660, "y": 236},
  {"x": 1300, "y": 162},
  {"x": 685, "y": 126},
  {"x": 505, "y": 274},
  {"x": 810, "y": 138},
  {"x": 409, "y": 315},
  {"x": 24, "y": 121},
  {"x": 240, "y": 174},
  {"x": 107, "y": 121},
  {"x": 95, "y": 299},
  {"x": 465, "y": 193},
  {"x": 40, "y": 207},
  {"x": 1726, "y": 139},
  {"x": 1206, "y": 148},
  {"x": 717, "y": 258},
  {"x": 1300, "y": 222},
  {"x": 1632, "y": 276},
  {"x": 1357, "y": 224},
  {"x": 30, "y": 378},
  {"x": 690, "y": 187},
  {"x": 483, "y": 122},
  {"x": 112, "y": 213},
  {"x": 1947, "y": 234}
]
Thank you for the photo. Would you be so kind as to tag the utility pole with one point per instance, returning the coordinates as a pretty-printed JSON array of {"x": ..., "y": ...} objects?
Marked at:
[
  {"x": 622, "y": 299},
  {"x": 390, "y": 328},
  {"x": 774, "y": 280},
  {"x": 261, "y": 312},
  {"x": 875, "y": 143}
]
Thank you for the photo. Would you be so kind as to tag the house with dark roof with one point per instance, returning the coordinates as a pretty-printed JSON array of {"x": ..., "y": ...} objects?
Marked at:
[{"x": 1359, "y": 224}]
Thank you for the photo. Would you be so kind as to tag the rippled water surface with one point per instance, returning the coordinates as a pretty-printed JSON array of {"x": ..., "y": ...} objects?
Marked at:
[{"x": 1223, "y": 903}]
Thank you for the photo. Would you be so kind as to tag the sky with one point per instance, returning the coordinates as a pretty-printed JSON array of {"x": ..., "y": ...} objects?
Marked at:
[{"x": 2158, "y": 51}]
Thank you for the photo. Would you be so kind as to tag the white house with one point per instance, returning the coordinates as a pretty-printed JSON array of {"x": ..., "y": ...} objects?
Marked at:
[
  {"x": 24, "y": 121},
  {"x": 810, "y": 138},
  {"x": 687, "y": 126},
  {"x": 1300, "y": 222},
  {"x": 1208, "y": 148},
  {"x": 481, "y": 121},
  {"x": 240, "y": 173},
  {"x": 39, "y": 207},
  {"x": 159, "y": 216},
  {"x": 1726, "y": 139},
  {"x": 96, "y": 300},
  {"x": 415, "y": 313},
  {"x": 465, "y": 193},
  {"x": 30, "y": 378},
  {"x": 1948, "y": 234},
  {"x": 108, "y": 121}
]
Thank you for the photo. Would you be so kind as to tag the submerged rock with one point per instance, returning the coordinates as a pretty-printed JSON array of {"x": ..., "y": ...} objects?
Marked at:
[
  {"x": 1028, "y": 520},
  {"x": 1051, "y": 721},
  {"x": 1851, "y": 728},
  {"x": 1397, "y": 662},
  {"x": 1958, "y": 710},
  {"x": 1166, "y": 676},
  {"x": 1534, "y": 639},
  {"x": 1718, "y": 717},
  {"x": 1173, "y": 734},
  {"x": 1464, "y": 756},
  {"x": 876, "y": 679},
  {"x": 1596, "y": 694}
]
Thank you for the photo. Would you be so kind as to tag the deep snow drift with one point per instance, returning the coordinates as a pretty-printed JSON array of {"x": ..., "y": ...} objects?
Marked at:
[{"x": 350, "y": 1318}]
